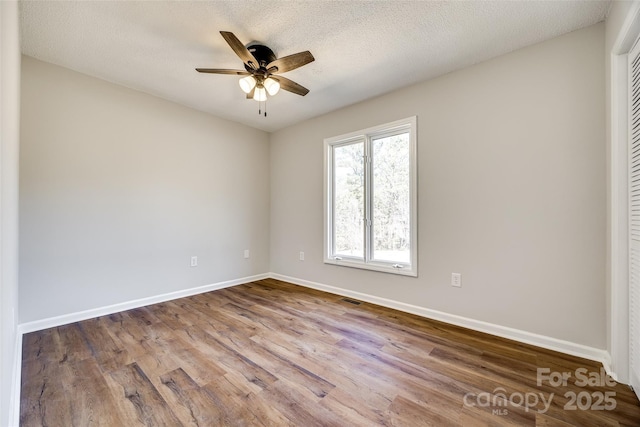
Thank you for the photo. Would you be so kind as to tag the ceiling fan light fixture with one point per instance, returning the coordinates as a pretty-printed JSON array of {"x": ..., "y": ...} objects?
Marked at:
[
  {"x": 272, "y": 86},
  {"x": 247, "y": 83},
  {"x": 259, "y": 64},
  {"x": 260, "y": 94}
]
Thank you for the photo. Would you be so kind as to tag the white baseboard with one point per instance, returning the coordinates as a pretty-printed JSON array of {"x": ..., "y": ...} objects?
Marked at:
[
  {"x": 65, "y": 319},
  {"x": 543, "y": 341}
]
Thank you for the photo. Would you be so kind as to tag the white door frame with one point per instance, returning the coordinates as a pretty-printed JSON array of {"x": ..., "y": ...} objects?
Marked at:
[{"x": 619, "y": 192}]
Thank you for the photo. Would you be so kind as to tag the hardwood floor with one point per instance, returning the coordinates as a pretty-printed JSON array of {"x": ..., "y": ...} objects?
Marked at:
[{"x": 269, "y": 353}]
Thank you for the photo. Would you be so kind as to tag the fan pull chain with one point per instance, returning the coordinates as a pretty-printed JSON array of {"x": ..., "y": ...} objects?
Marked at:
[{"x": 260, "y": 108}]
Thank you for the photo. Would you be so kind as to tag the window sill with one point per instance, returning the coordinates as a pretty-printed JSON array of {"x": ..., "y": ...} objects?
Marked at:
[{"x": 406, "y": 271}]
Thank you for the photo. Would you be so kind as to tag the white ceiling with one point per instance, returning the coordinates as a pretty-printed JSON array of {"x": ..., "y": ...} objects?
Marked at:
[{"x": 362, "y": 48}]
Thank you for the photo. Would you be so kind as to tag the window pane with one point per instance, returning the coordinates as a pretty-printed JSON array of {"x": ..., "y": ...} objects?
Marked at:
[
  {"x": 391, "y": 199},
  {"x": 349, "y": 200}
]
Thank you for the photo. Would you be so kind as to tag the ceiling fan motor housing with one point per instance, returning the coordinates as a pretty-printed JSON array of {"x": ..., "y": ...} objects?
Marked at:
[{"x": 263, "y": 55}]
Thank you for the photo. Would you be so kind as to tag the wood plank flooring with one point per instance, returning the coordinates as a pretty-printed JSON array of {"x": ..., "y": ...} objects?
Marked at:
[{"x": 270, "y": 353}]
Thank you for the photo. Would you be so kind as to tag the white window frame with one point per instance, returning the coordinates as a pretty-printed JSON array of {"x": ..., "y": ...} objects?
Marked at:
[{"x": 366, "y": 136}]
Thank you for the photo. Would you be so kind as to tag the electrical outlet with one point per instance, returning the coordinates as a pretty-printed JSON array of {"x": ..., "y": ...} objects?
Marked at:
[
  {"x": 246, "y": 253},
  {"x": 194, "y": 261},
  {"x": 456, "y": 280},
  {"x": 301, "y": 256}
]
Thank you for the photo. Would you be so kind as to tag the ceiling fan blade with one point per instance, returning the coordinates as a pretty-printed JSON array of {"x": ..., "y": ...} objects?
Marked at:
[
  {"x": 222, "y": 71},
  {"x": 240, "y": 49},
  {"x": 291, "y": 62},
  {"x": 291, "y": 86}
]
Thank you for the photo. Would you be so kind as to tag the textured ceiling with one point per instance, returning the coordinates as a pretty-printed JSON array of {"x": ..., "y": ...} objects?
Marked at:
[{"x": 362, "y": 48}]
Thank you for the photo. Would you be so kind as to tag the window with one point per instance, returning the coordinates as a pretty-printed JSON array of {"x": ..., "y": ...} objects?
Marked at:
[{"x": 370, "y": 198}]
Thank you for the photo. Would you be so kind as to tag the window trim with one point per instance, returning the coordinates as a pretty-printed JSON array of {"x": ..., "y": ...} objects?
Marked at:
[{"x": 366, "y": 135}]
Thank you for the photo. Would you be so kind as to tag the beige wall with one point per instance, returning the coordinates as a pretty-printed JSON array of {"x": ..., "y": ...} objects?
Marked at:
[
  {"x": 119, "y": 189},
  {"x": 511, "y": 169}
]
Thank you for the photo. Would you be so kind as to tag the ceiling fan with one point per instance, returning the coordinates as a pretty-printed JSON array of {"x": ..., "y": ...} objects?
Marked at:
[{"x": 263, "y": 69}]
